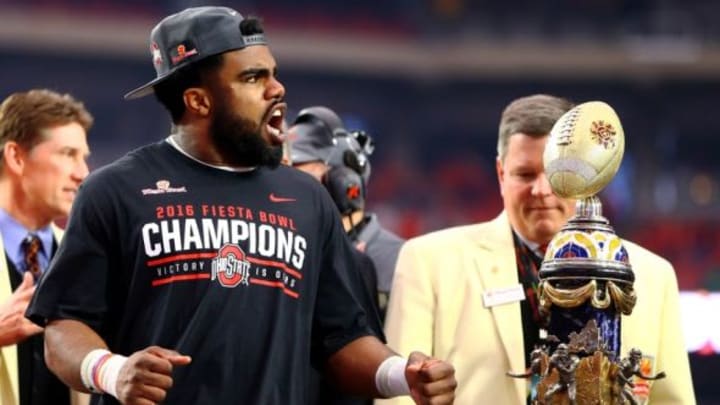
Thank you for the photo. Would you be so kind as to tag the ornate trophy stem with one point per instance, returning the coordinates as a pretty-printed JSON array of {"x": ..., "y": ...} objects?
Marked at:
[{"x": 586, "y": 277}]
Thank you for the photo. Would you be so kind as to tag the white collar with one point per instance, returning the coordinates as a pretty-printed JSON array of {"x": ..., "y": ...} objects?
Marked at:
[{"x": 535, "y": 247}]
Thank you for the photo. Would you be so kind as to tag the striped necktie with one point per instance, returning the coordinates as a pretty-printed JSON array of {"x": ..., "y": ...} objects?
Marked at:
[{"x": 31, "y": 247}]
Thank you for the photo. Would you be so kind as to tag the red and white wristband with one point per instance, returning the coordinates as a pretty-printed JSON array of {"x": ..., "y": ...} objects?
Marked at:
[
  {"x": 99, "y": 371},
  {"x": 390, "y": 378}
]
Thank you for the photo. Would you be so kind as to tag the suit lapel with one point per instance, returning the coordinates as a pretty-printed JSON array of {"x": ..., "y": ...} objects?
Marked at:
[
  {"x": 498, "y": 273},
  {"x": 8, "y": 364},
  {"x": 9, "y": 388}
]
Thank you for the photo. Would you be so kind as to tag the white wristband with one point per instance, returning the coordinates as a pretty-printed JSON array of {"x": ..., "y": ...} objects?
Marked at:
[
  {"x": 86, "y": 367},
  {"x": 99, "y": 371},
  {"x": 109, "y": 374},
  {"x": 390, "y": 378}
]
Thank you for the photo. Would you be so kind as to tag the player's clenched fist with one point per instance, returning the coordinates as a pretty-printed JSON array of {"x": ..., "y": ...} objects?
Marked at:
[
  {"x": 431, "y": 381},
  {"x": 146, "y": 375}
]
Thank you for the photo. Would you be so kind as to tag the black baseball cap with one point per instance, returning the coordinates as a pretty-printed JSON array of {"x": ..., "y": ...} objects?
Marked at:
[
  {"x": 318, "y": 134},
  {"x": 313, "y": 134},
  {"x": 192, "y": 35}
]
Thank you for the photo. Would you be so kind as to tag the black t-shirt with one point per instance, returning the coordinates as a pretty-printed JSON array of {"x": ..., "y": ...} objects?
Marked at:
[
  {"x": 327, "y": 391},
  {"x": 243, "y": 271},
  {"x": 368, "y": 297}
]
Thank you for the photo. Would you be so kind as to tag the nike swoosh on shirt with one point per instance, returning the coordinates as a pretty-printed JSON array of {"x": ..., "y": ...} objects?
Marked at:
[{"x": 274, "y": 198}]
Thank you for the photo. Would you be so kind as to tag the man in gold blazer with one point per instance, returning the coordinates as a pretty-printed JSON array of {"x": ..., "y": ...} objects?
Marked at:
[
  {"x": 447, "y": 283},
  {"x": 43, "y": 160}
]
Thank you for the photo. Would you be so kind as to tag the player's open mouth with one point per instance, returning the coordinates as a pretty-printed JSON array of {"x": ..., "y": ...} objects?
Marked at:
[{"x": 274, "y": 126}]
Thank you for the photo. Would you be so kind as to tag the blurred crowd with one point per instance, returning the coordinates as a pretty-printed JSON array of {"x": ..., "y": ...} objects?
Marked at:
[{"x": 558, "y": 19}]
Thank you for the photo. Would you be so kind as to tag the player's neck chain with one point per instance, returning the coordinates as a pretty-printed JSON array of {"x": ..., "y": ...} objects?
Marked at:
[{"x": 175, "y": 145}]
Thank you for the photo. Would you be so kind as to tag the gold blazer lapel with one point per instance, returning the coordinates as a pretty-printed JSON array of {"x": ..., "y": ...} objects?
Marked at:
[
  {"x": 9, "y": 389},
  {"x": 497, "y": 268}
]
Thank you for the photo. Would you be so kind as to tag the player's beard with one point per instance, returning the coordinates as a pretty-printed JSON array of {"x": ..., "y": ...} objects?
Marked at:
[{"x": 240, "y": 141}]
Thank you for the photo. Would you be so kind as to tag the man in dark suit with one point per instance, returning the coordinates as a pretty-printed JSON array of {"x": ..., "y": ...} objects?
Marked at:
[{"x": 42, "y": 163}]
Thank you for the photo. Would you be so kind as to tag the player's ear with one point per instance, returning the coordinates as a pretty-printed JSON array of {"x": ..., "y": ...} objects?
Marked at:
[{"x": 197, "y": 101}]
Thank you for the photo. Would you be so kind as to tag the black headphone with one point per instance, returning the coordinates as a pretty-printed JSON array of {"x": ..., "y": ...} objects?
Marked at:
[
  {"x": 348, "y": 159},
  {"x": 346, "y": 188},
  {"x": 349, "y": 170}
]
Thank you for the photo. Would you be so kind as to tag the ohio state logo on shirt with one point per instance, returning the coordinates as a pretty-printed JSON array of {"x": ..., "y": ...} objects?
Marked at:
[{"x": 230, "y": 267}]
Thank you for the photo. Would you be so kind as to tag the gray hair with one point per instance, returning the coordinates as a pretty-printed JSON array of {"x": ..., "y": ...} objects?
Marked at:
[{"x": 532, "y": 115}]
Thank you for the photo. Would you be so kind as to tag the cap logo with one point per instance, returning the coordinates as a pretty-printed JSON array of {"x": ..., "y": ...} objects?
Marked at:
[
  {"x": 156, "y": 55},
  {"x": 182, "y": 53}
]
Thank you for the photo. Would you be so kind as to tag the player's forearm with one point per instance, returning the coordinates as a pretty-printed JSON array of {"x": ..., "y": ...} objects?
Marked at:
[
  {"x": 66, "y": 344},
  {"x": 354, "y": 366}
]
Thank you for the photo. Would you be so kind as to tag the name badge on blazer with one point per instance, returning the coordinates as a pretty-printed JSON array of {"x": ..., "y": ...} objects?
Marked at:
[{"x": 502, "y": 296}]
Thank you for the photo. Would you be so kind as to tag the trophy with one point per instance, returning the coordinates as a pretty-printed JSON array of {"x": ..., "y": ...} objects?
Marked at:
[{"x": 586, "y": 281}]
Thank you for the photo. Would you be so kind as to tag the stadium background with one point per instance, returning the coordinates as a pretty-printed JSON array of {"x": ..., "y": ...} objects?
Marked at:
[{"x": 428, "y": 79}]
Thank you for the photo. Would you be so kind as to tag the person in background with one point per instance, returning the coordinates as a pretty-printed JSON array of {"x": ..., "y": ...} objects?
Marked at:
[
  {"x": 43, "y": 136},
  {"x": 198, "y": 270},
  {"x": 324, "y": 391},
  {"x": 441, "y": 278},
  {"x": 324, "y": 148}
]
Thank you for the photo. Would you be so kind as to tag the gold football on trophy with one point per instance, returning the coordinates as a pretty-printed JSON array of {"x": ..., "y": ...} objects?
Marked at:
[{"x": 584, "y": 150}]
